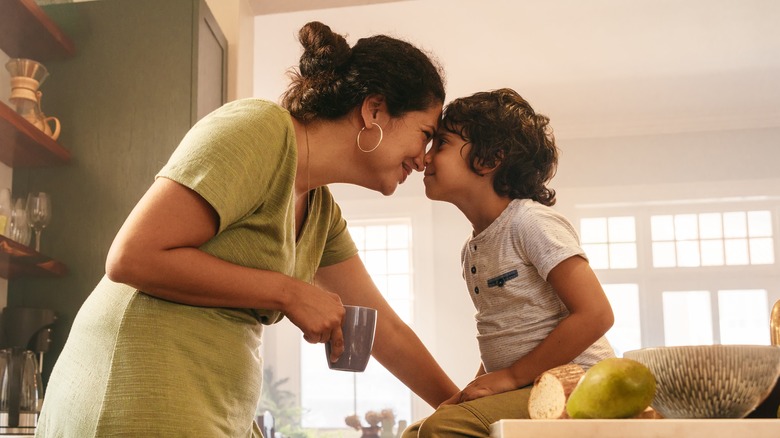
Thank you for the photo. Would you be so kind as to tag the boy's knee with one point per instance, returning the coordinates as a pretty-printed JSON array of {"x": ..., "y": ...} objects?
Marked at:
[
  {"x": 411, "y": 431},
  {"x": 451, "y": 421}
]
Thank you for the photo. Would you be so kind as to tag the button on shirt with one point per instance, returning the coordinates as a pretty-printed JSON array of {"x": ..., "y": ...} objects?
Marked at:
[{"x": 505, "y": 268}]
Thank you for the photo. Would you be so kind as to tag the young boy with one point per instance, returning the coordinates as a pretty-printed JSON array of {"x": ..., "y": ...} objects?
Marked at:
[{"x": 539, "y": 304}]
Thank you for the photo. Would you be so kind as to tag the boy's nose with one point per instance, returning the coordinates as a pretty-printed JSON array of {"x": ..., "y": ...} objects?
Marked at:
[{"x": 427, "y": 158}]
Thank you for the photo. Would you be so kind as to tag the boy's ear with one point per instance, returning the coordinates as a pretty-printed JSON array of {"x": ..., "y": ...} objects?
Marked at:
[
  {"x": 373, "y": 110},
  {"x": 486, "y": 167}
]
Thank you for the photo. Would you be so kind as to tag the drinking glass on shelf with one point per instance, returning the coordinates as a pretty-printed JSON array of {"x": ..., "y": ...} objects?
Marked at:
[
  {"x": 38, "y": 214},
  {"x": 18, "y": 227}
]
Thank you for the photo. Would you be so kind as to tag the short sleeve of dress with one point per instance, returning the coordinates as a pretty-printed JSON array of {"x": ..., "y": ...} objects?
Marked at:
[
  {"x": 339, "y": 245},
  {"x": 231, "y": 156},
  {"x": 547, "y": 238}
]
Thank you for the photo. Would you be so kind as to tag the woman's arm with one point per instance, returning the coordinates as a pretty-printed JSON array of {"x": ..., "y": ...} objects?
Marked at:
[
  {"x": 590, "y": 316},
  {"x": 396, "y": 346},
  {"x": 156, "y": 251}
]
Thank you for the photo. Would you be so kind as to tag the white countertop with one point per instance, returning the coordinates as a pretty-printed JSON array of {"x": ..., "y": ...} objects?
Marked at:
[{"x": 635, "y": 428}]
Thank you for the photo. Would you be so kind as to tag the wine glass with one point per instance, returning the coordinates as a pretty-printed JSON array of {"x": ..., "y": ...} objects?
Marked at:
[{"x": 38, "y": 214}]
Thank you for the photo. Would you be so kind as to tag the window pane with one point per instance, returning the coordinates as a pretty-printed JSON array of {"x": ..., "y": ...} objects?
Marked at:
[
  {"x": 622, "y": 255},
  {"x": 664, "y": 255},
  {"x": 759, "y": 223},
  {"x": 597, "y": 255},
  {"x": 712, "y": 253},
  {"x": 318, "y": 383},
  {"x": 662, "y": 227},
  {"x": 593, "y": 230},
  {"x": 376, "y": 237},
  {"x": 687, "y": 318},
  {"x": 398, "y": 261},
  {"x": 377, "y": 389},
  {"x": 380, "y": 280},
  {"x": 398, "y": 236},
  {"x": 737, "y": 252},
  {"x": 358, "y": 236},
  {"x": 399, "y": 287},
  {"x": 403, "y": 308},
  {"x": 376, "y": 262},
  {"x": 710, "y": 226},
  {"x": 625, "y": 334},
  {"x": 622, "y": 229},
  {"x": 686, "y": 227},
  {"x": 744, "y": 317},
  {"x": 688, "y": 253},
  {"x": 762, "y": 251},
  {"x": 734, "y": 224}
]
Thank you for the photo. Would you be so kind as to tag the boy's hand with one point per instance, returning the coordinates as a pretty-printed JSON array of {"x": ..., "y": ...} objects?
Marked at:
[{"x": 484, "y": 385}]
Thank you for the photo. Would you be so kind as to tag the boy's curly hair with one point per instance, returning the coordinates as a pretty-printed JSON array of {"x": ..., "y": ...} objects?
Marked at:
[{"x": 504, "y": 130}]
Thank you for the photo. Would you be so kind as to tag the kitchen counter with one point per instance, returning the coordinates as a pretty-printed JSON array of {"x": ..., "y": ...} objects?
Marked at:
[{"x": 635, "y": 428}]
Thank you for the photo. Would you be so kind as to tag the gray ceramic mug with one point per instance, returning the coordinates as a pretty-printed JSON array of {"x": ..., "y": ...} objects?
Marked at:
[{"x": 358, "y": 327}]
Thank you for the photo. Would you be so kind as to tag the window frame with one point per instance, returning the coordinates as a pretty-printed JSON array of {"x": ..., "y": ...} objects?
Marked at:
[{"x": 652, "y": 281}]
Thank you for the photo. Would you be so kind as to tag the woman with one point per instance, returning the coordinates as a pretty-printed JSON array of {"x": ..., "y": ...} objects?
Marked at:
[{"x": 232, "y": 234}]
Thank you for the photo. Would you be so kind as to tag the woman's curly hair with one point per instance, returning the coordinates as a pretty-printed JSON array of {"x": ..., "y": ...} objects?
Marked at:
[
  {"x": 505, "y": 132},
  {"x": 332, "y": 78}
]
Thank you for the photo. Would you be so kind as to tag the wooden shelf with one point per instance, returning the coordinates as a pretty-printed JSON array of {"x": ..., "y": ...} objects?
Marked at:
[
  {"x": 27, "y": 32},
  {"x": 24, "y": 145},
  {"x": 17, "y": 260}
]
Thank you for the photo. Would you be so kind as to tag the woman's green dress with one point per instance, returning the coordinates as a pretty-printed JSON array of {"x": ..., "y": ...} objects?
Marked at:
[{"x": 138, "y": 366}]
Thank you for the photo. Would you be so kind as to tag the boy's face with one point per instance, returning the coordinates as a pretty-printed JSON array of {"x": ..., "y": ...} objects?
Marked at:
[{"x": 448, "y": 176}]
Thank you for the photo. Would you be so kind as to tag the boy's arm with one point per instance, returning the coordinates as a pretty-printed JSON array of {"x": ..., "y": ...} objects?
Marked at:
[{"x": 590, "y": 316}]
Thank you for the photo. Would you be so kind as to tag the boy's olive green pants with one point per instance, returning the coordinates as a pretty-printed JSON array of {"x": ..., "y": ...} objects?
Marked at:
[{"x": 472, "y": 418}]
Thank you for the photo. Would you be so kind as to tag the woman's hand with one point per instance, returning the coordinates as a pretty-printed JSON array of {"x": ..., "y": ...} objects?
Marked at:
[
  {"x": 484, "y": 385},
  {"x": 318, "y": 313}
]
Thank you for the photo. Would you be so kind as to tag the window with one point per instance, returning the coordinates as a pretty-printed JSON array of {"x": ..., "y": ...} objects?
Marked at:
[
  {"x": 743, "y": 317},
  {"x": 687, "y": 318},
  {"x": 685, "y": 273},
  {"x": 609, "y": 242},
  {"x": 327, "y": 396},
  {"x": 626, "y": 333},
  {"x": 712, "y": 239}
]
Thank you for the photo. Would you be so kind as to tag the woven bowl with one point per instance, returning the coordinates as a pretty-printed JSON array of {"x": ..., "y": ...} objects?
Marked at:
[{"x": 710, "y": 381}]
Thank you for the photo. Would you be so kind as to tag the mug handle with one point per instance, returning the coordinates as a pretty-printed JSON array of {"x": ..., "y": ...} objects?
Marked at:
[{"x": 56, "y": 132}]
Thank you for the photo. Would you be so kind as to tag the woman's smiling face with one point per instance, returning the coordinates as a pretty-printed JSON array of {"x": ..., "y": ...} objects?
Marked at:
[{"x": 402, "y": 149}]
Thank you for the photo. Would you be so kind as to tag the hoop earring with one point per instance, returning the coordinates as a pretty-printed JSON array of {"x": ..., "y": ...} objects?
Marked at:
[{"x": 381, "y": 135}]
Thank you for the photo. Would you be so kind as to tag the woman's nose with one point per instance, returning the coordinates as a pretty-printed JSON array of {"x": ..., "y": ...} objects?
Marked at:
[{"x": 419, "y": 161}]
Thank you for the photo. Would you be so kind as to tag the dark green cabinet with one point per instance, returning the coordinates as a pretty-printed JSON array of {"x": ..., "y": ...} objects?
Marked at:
[{"x": 144, "y": 71}]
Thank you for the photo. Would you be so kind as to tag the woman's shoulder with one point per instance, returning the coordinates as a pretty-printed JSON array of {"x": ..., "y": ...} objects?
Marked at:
[
  {"x": 252, "y": 107},
  {"x": 248, "y": 120}
]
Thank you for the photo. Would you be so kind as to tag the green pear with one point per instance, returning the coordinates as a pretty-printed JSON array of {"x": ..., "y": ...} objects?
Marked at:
[{"x": 612, "y": 388}]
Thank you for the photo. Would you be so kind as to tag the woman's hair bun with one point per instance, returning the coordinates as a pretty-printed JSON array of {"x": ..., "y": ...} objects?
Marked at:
[
  {"x": 323, "y": 50},
  {"x": 333, "y": 78}
]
